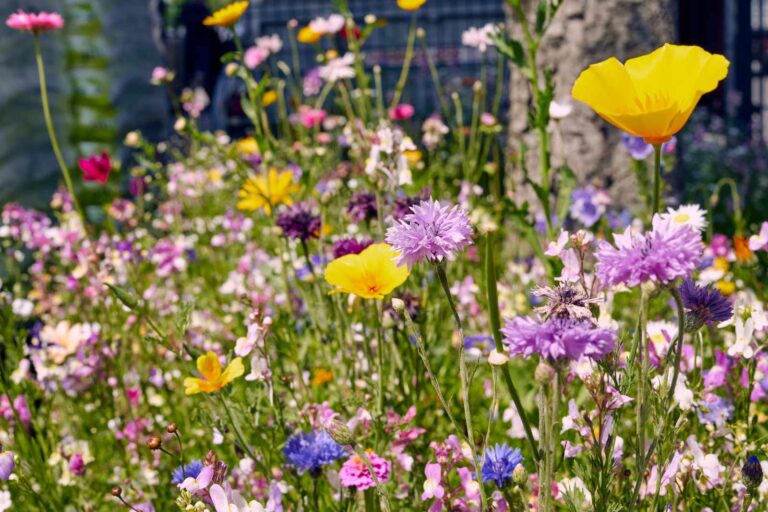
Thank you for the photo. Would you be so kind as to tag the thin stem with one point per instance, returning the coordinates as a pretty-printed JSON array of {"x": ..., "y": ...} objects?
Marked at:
[
  {"x": 406, "y": 65},
  {"x": 656, "y": 178},
  {"x": 52, "y": 131}
]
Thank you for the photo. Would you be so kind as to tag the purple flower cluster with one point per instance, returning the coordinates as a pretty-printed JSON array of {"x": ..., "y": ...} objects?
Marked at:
[
  {"x": 431, "y": 232},
  {"x": 349, "y": 246},
  {"x": 299, "y": 222},
  {"x": 362, "y": 207},
  {"x": 557, "y": 338},
  {"x": 666, "y": 253}
]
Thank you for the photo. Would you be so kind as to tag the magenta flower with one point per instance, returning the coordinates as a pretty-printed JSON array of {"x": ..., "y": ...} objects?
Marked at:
[
  {"x": 96, "y": 167},
  {"x": 35, "y": 22},
  {"x": 401, "y": 112},
  {"x": 431, "y": 232},
  {"x": 354, "y": 472},
  {"x": 557, "y": 338},
  {"x": 666, "y": 253}
]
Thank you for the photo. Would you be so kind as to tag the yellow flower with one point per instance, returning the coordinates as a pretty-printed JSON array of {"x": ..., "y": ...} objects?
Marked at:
[
  {"x": 321, "y": 376},
  {"x": 725, "y": 287},
  {"x": 247, "y": 146},
  {"x": 308, "y": 36},
  {"x": 410, "y": 5},
  {"x": 267, "y": 191},
  {"x": 651, "y": 96},
  {"x": 412, "y": 155},
  {"x": 213, "y": 378},
  {"x": 372, "y": 274},
  {"x": 226, "y": 16},
  {"x": 268, "y": 98}
]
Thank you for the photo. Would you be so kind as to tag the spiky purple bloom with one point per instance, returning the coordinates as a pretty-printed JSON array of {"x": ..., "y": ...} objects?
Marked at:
[
  {"x": 311, "y": 451},
  {"x": 500, "y": 462},
  {"x": 665, "y": 253},
  {"x": 704, "y": 305},
  {"x": 299, "y": 222},
  {"x": 349, "y": 246},
  {"x": 431, "y": 232},
  {"x": 557, "y": 338},
  {"x": 362, "y": 207}
]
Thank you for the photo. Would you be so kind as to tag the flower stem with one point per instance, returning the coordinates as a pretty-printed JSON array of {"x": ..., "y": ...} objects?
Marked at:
[
  {"x": 52, "y": 131},
  {"x": 462, "y": 376},
  {"x": 656, "y": 178},
  {"x": 406, "y": 64}
]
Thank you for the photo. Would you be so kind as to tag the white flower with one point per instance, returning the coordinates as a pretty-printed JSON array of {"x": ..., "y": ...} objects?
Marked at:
[
  {"x": 271, "y": 44},
  {"x": 687, "y": 215},
  {"x": 479, "y": 38},
  {"x": 661, "y": 333},
  {"x": 742, "y": 346},
  {"x": 760, "y": 241},
  {"x": 338, "y": 69},
  {"x": 5, "y": 501},
  {"x": 707, "y": 464},
  {"x": 682, "y": 396},
  {"x": 195, "y": 485},
  {"x": 575, "y": 492},
  {"x": 329, "y": 25},
  {"x": 22, "y": 307},
  {"x": 559, "y": 110},
  {"x": 232, "y": 501},
  {"x": 556, "y": 248}
]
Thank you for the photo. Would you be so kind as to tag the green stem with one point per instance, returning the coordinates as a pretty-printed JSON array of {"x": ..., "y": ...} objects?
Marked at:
[
  {"x": 656, "y": 178},
  {"x": 406, "y": 65},
  {"x": 52, "y": 131}
]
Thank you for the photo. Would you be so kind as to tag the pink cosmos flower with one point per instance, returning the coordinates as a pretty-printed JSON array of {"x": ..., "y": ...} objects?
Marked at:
[
  {"x": 354, "y": 472},
  {"x": 35, "y": 22},
  {"x": 96, "y": 167},
  {"x": 255, "y": 56},
  {"x": 401, "y": 112}
]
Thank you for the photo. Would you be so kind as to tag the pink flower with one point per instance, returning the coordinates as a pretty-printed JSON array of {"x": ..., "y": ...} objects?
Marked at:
[
  {"x": 35, "y": 22},
  {"x": 401, "y": 112},
  {"x": 433, "y": 488},
  {"x": 255, "y": 56},
  {"x": 96, "y": 167},
  {"x": 311, "y": 117},
  {"x": 77, "y": 465},
  {"x": 354, "y": 472}
]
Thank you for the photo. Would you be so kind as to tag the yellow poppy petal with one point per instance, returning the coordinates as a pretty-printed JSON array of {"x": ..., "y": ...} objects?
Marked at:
[
  {"x": 209, "y": 366},
  {"x": 192, "y": 386},
  {"x": 234, "y": 370}
]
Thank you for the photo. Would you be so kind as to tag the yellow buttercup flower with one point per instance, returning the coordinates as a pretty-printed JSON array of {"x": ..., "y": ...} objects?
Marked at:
[
  {"x": 267, "y": 191},
  {"x": 226, "y": 16},
  {"x": 213, "y": 378},
  {"x": 410, "y": 5},
  {"x": 651, "y": 96},
  {"x": 268, "y": 98},
  {"x": 308, "y": 36},
  {"x": 247, "y": 146},
  {"x": 372, "y": 274}
]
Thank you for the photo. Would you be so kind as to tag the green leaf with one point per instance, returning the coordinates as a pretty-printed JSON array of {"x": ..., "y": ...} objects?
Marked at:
[
  {"x": 510, "y": 48},
  {"x": 542, "y": 10}
]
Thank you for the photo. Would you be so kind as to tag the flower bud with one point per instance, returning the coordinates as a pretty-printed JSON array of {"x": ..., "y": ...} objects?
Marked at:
[
  {"x": 172, "y": 428},
  {"x": 340, "y": 432},
  {"x": 398, "y": 305},
  {"x": 544, "y": 373},
  {"x": 154, "y": 443},
  {"x": 520, "y": 475},
  {"x": 117, "y": 492},
  {"x": 752, "y": 472}
]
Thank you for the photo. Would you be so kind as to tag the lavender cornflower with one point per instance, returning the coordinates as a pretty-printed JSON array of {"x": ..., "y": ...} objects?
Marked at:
[
  {"x": 557, "y": 339},
  {"x": 349, "y": 246},
  {"x": 362, "y": 207},
  {"x": 311, "y": 451},
  {"x": 431, "y": 232},
  {"x": 500, "y": 462},
  {"x": 298, "y": 222},
  {"x": 662, "y": 255},
  {"x": 191, "y": 470},
  {"x": 703, "y": 305}
]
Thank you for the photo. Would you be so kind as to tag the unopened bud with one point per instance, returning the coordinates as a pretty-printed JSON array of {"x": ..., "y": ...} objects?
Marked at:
[
  {"x": 370, "y": 19},
  {"x": 752, "y": 472},
  {"x": 172, "y": 428},
  {"x": 154, "y": 443},
  {"x": 340, "y": 432},
  {"x": 421, "y": 33},
  {"x": 231, "y": 69},
  {"x": 117, "y": 492},
  {"x": 398, "y": 305},
  {"x": 520, "y": 475},
  {"x": 544, "y": 373}
]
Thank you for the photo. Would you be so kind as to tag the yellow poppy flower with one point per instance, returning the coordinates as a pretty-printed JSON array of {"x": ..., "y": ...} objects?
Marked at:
[
  {"x": 410, "y": 5},
  {"x": 268, "y": 98},
  {"x": 651, "y": 96},
  {"x": 308, "y": 36},
  {"x": 267, "y": 191},
  {"x": 247, "y": 146},
  {"x": 372, "y": 274},
  {"x": 213, "y": 378},
  {"x": 226, "y": 16}
]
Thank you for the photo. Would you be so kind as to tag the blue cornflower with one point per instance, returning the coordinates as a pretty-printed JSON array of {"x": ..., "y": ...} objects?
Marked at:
[
  {"x": 704, "y": 305},
  {"x": 191, "y": 470},
  {"x": 500, "y": 462},
  {"x": 311, "y": 451}
]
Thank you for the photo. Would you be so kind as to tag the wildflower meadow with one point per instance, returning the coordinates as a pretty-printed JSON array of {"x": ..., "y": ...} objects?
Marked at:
[{"x": 359, "y": 306}]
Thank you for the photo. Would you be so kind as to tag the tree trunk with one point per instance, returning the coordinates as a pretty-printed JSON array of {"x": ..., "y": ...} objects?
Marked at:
[{"x": 585, "y": 32}]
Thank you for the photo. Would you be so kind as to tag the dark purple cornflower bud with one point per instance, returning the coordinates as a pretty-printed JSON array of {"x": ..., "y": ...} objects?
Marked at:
[
  {"x": 703, "y": 305},
  {"x": 402, "y": 205},
  {"x": 349, "y": 246},
  {"x": 752, "y": 472},
  {"x": 299, "y": 222},
  {"x": 362, "y": 207}
]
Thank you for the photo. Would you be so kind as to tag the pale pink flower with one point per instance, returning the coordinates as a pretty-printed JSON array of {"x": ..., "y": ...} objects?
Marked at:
[
  {"x": 255, "y": 56},
  {"x": 35, "y": 22},
  {"x": 272, "y": 44},
  {"x": 433, "y": 488},
  {"x": 330, "y": 25}
]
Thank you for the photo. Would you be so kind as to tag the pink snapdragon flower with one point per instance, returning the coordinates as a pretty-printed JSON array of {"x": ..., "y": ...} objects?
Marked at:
[
  {"x": 354, "y": 472},
  {"x": 96, "y": 167},
  {"x": 433, "y": 487},
  {"x": 35, "y": 22}
]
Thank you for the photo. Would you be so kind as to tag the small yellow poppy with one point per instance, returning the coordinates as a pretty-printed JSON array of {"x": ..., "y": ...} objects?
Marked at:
[
  {"x": 267, "y": 191},
  {"x": 308, "y": 36},
  {"x": 651, "y": 96},
  {"x": 213, "y": 378},
  {"x": 372, "y": 274},
  {"x": 268, "y": 98},
  {"x": 410, "y": 5}
]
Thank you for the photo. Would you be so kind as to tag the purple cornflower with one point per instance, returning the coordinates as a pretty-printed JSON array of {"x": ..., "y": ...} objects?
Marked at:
[
  {"x": 298, "y": 222},
  {"x": 500, "y": 462},
  {"x": 667, "y": 252},
  {"x": 588, "y": 205},
  {"x": 557, "y": 338},
  {"x": 403, "y": 204},
  {"x": 311, "y": 451},
  {"x": 191, "y": 470},
  {"x": 349, "y": 246},
  {"x": 431, "y": 232},
  {"x": 362, "y": 207},
  {"x": 703, "y": 305}
]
